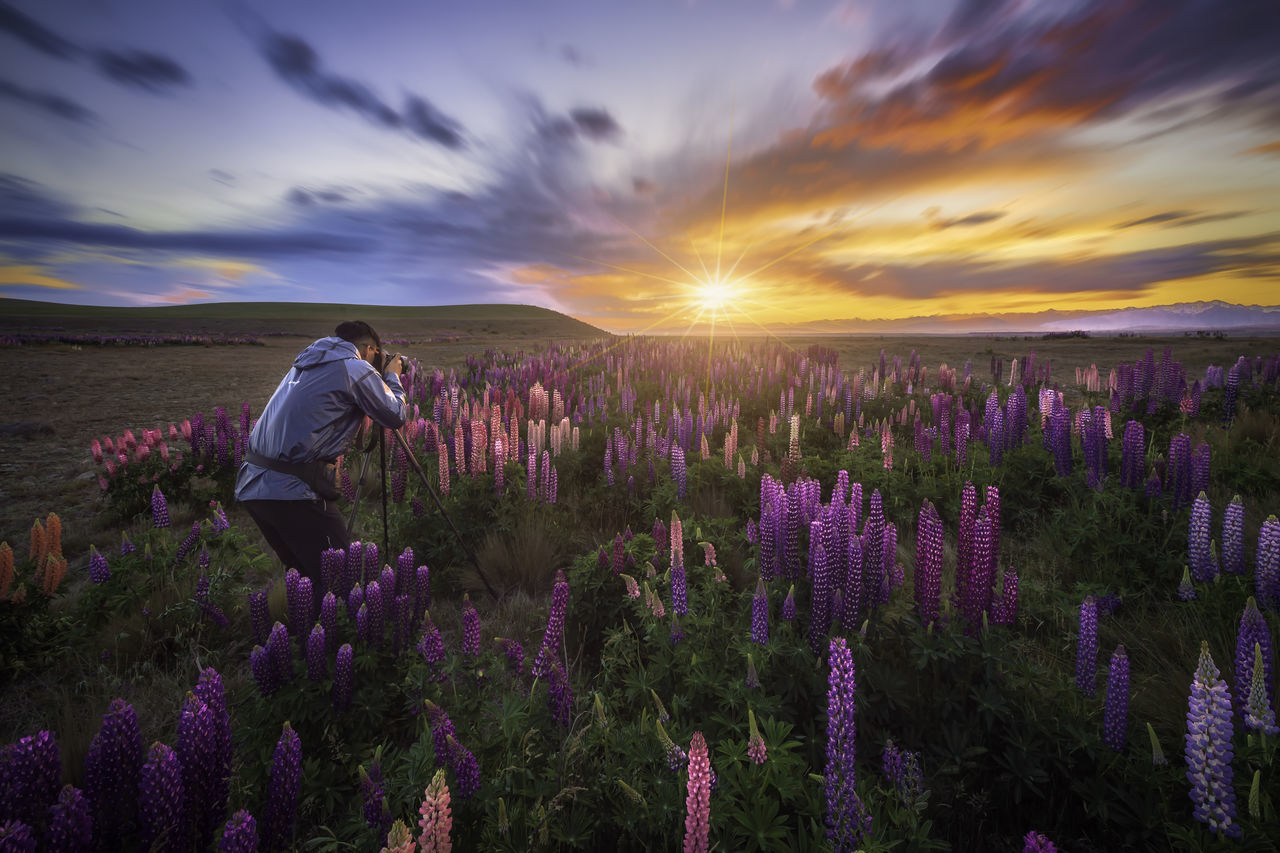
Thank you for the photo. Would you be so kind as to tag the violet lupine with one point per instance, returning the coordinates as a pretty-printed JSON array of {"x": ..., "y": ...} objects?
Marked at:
[
  {"x": 465, "y": 768},
  {"x": 126, "y": 547},
  {"x": 70, "y": 822},
  {"x": 1132, "y": 455},
  {"x": 185, "y": 546},
  {"x": 1034, "y": 842},
  {"x": 928, "y": 574},
  {"x": 901, "y": 770},
  {"x": 240, "y": 834},
  {"x": 99, "y": 571},
  {"x": 1267, "y": 568},
  {"x": 559, "y": 695},
  {"x": 760, "y": 615},
  {"x": 355, "y": 600},
  {"x": 677, "y": 633},
  {"x": 282, "y": 791},
  {"x": 470, "y": 628},
  {"x": 387, "y": 583},
  {"x": 1259, "y": 712},
  {"x": 1253, "y": 631},
  {"x": 1186, "y": 589},
  {"x": 679, "y": 587},
  {"x": 197, "y": 749},
  {"x": 343, "y": 677},
  {"x": 1087, "y": 647},
  {"x": 279, "y": 655},
  {"x": 431, "y": 647},
  {"x": 675, "y": 756},
  {"x": 421, "y": 591},
  {"x": 32, "y": 770},
  {"x": 373, "y": 792},
  {"x": 331, "y": 566},
  {"x": 1204, "y": 565},
  {"x": 847, "y": 820},
  {"x": 259, "y": 616},
  {"x": 402, "y": 609},
  {"x": 753, "y": 678},
  {"x": 160, "y": 801},
  {"x": 553, "y": 635},
  {"x": 159, "y": 508},
  {"x": 329, "y": 621},
  {"x": 369, "y": 563},
  {"x": 1115, "y": 716},
  {"x": 697, "y": 804},
  {"x": 17, "y": 837},
  {"x": 756, "y": 749},
  {"x": 789, "y": 605},
  {"x": 210, "y": 691},
  {"x": 1233, "y": 537},
  {"x": 1006, "y": 609},
  {"x": 514, "y": 653},
  {"x": 435, "y": 821},
  {"x": 111, "y": 772},
  {"x": 1209, "y": 750},
  {"x": 317, "y": 664},
  {"x": 375, "y": 616}
]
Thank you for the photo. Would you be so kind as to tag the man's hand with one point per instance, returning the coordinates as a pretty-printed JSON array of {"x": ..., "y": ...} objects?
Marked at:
[{"x": 395, "y": 365}]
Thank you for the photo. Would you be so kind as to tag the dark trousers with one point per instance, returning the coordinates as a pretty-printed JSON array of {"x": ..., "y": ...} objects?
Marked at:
[{"x": 299, "y": 532}]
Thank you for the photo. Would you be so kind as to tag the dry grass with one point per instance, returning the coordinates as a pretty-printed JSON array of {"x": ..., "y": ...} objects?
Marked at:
[{"x": 523, "y": 558}]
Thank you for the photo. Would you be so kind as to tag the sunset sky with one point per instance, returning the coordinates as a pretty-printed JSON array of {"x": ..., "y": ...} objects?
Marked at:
[{"x": 640, "y": 164}]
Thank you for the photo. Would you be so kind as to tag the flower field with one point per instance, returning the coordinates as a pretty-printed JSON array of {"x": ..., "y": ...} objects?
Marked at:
[{"x": 748, "y": 597}]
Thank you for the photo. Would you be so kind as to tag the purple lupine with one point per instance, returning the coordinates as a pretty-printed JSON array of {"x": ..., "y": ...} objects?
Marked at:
[
  {"x": 789, "y": 605},
  {"x": 421, "y": 592},
  {"x": 847, "y": 820},
  {"x": 373, "y": 791},
  {"x": 553, "y": 635},
  {"x": 343, "y": 677},
  {"x": 1178, "y": 471},
  {"x": 820, "y": 608},
  {"x": 279, "y": 655},
  {"x": 259, "y": 616},
  {"x": 1132, "y": 455},
  {"x": 559, "y": 695},
  {"x": 331, "y": 565},
  {"x": 70, "y": 822},
  {"x": 404, "y": 571},
  {"x": 1006, "y": 609},
  {"x": 1203, "y": 562},
  {"x": 352, "y": 567},
  {"x": 369, "y": 563},
  {"x": 1209, "y": 750},
  {"x": 197, "y": 749},
  {"x": 264, "y": 675},
  {"x": 1186, "y": 589},
  {"x": 679, "y": 587},
  {"x": 329, "y": 620},
  {"x": 33, "y": 772},
  {"x": 355, "y": 600},
  {"x": 99, "y": 571},
  {"x": 374, "y": 617},
  {"x": 677, "y": 633},
  {"x": 515, "y": 654},
  {"x": 111, "y": 772},
  {"x": 1253, "y": 631},
  {"x": 928, "y": 574},
  {"x": 160, "y": 801},
  {"x": 901, "y": 770},
  {"x": 1087, "y": 647},
  {"x": 240, "y": 834},
  {"x": 470, "y": 628},
  {"x": 760, "y": 615},
  {"x": 209, "y": 690},
  {"x": 282, "y": 791},
  {"x": 387, "y": 584},
  {"x": 753, "y": 678},
  {"x": 402, "y": 621},
  {"x": 1200, "y": 469},
  {"x": 1115, "y": 716},
  {"x": 465, "y": 767},
  {"x": 442, "y": 729},
  {"x": 431, "y": 647},
  {"x": 317, "y": 665},
  {"x": 159, "y": 508},
  {"x": 17, "y": 837},
  {"x": 617, "y": 555},
  {"x": 126, "y": 547},
  {"x": 1266, "y": 573},
  {"x": 1035, "y": 842},
  {"x": 1233, "y": 537},
  {"x": 185, "y": 546},
  {"x": 364, "y": 630}
]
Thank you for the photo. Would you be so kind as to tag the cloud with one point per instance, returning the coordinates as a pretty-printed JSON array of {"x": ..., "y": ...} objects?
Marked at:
[
  {"x": 982, "y": 217},
  {"x": 595, "y": 123},
  {"x": 35, "y": 34},
  {"x": 1182, "y": 218},
  {"x": 302, "y": 196},
  {"x": 140, "y": 69},
  {"x": 573, "y": 56},
  {"x": 1271, "y": 148},
  {"x": 223, "y": 177},
  {"x": 25, "y": 199},
  {"x": 246, "y": 243},
  {"x": 48, "y": 103},
  {"x": 297, "y": 63},
  {"x": 1022, "y": 74},
  {"x": 29, "y": 275}
]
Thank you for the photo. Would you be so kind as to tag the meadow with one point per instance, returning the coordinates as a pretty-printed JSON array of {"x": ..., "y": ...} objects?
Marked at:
[{"x": 825, "y": 593}]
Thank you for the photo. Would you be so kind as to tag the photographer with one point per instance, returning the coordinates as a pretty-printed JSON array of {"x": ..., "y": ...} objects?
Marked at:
[{"x": 288, "y": 481}]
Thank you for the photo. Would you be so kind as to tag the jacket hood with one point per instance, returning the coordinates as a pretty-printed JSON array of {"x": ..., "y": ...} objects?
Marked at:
[{"x": 324, "y": 351}]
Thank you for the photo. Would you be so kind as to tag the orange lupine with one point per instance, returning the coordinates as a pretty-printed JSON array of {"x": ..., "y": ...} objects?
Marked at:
[
  {"x": 6, "y": 569},
  {"x": 53, "y": 534},
  {"x": 55, "y": 568},
  {"x": 38, "y": 547}
]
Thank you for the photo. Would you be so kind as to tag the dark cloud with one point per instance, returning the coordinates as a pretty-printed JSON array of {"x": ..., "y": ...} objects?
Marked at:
[
  {"x": 1025, "y": 73},
  {"x": 1155, "y": 219},
  {"x": 595, "y": 123},
  {"x": 49, "y": 103},
  {"x": 236, "y": 243},
  {"x": 572, "y": 55},
  {"x": 142, "y": 69},
  {"x": 1182, "y": 218},
  {"x": 35, "y": 34},
  {"x": 643, "y": 186},
  {"x": 223, "y": 177},
  {"x": 21, "y": 198},
  {"x": 982, "y": 217},
  {"x": 297, "y": 63},
  {"x": 304, "y": 197}
]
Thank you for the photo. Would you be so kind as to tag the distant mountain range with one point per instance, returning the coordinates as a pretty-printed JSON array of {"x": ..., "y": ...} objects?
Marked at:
[{"x": 1183, "y": 317}]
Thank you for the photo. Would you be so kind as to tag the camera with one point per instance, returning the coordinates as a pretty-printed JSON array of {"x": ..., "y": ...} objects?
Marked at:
[{"x": 383, "y": 359}]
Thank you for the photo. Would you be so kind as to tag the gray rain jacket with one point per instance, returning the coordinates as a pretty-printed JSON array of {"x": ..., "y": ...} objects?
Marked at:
[{"x": 313, "y": 414}]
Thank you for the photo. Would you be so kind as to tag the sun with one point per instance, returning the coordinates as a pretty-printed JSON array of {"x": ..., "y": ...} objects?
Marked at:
[{"x": 714, "y": 294}]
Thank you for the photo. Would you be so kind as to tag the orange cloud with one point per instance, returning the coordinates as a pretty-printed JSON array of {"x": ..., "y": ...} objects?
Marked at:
[{"x": 32, "y": 276}]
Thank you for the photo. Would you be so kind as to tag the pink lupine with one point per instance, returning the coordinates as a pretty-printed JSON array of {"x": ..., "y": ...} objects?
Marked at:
[
  {"x": 697, "y": 824},
  {"x": 436, "y": 821}
]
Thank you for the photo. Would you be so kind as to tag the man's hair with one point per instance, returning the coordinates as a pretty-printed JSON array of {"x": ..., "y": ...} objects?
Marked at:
[{"x": 357, "y": 332}]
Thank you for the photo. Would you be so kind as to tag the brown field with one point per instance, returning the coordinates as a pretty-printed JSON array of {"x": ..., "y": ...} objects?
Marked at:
[{"x": 88, "y": 392}]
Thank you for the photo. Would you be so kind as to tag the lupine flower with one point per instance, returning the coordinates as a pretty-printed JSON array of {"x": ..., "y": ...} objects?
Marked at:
[
  {"x": 470, "y": 628},
  {"x": 928, "y": 575},
  {"x": 259, "y": 616},
  {"x": 514, "y": 652},
  {"x": 697, "y": 821},
  {"x": 1253, "y": 631},
  {"x": 1204, "y": 565},
  {"x": 1259, "y": 713},
  {"x": 659, "y": 708},
  {"x": 185, "y": 546},
  {"x": 679, "y": 588},
  {"x": 789, "y": 605},
  {"x": 1157, "y": 752},
  {"x": 317, "y": 666},
  {"x": 677, "y": 633},
  {"x": 1115, "y": 717},
  {"x": 1034, "y": 842},
  {"x": 160, "y": 798},
  {"x": 343, "y": 677},
  {"x": 676, "y": 757},
  {"x": 1186, "y": 589},
  {"x": 1233, "y": 537},
  {"x": 435, "y": 822},
  {"x": 760, "y": 615},
  {"x": 1209, "y": 750},
  {"x": 559, "y": 695},
  {"x": 279, "y": 654},
  {"x": 111, "y": 771},
  {"x": 33, "y": 771},
  {"x": 159, "y": 508},
  {"x": 756, "y": 749},
  {"x": 553, "y": 635},
  {"x": 901, "y": 770},
  {"x": 209, "y": 690},
  {"x": 753, "y": 678},
  {"x": 240, "y": 834},
  {"x": 402, "y": 608},
  {"x": 16, "y": 836},
  {"x": 355, "y": 600},
  {"x": 465, "y": 767},
  {"x": 197, "y": 749},
  {"x": 1087, "y": 647},
  {"x": 99, "y": 571},
  {"x": 282, "y": 790},
  {"x": 70, "y": 822},
  {"x": 848, "y": 820},
  {"x": 372, "y": 631},
  {"x": 441, "y": 730},
  {"x": 633, "y": 588},
  {"x": 431, "y": 647},
  {"x": 373, "y": 792},
  {"x": 1267, "y": 570},
  {"x": 329, "y": 620}
]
